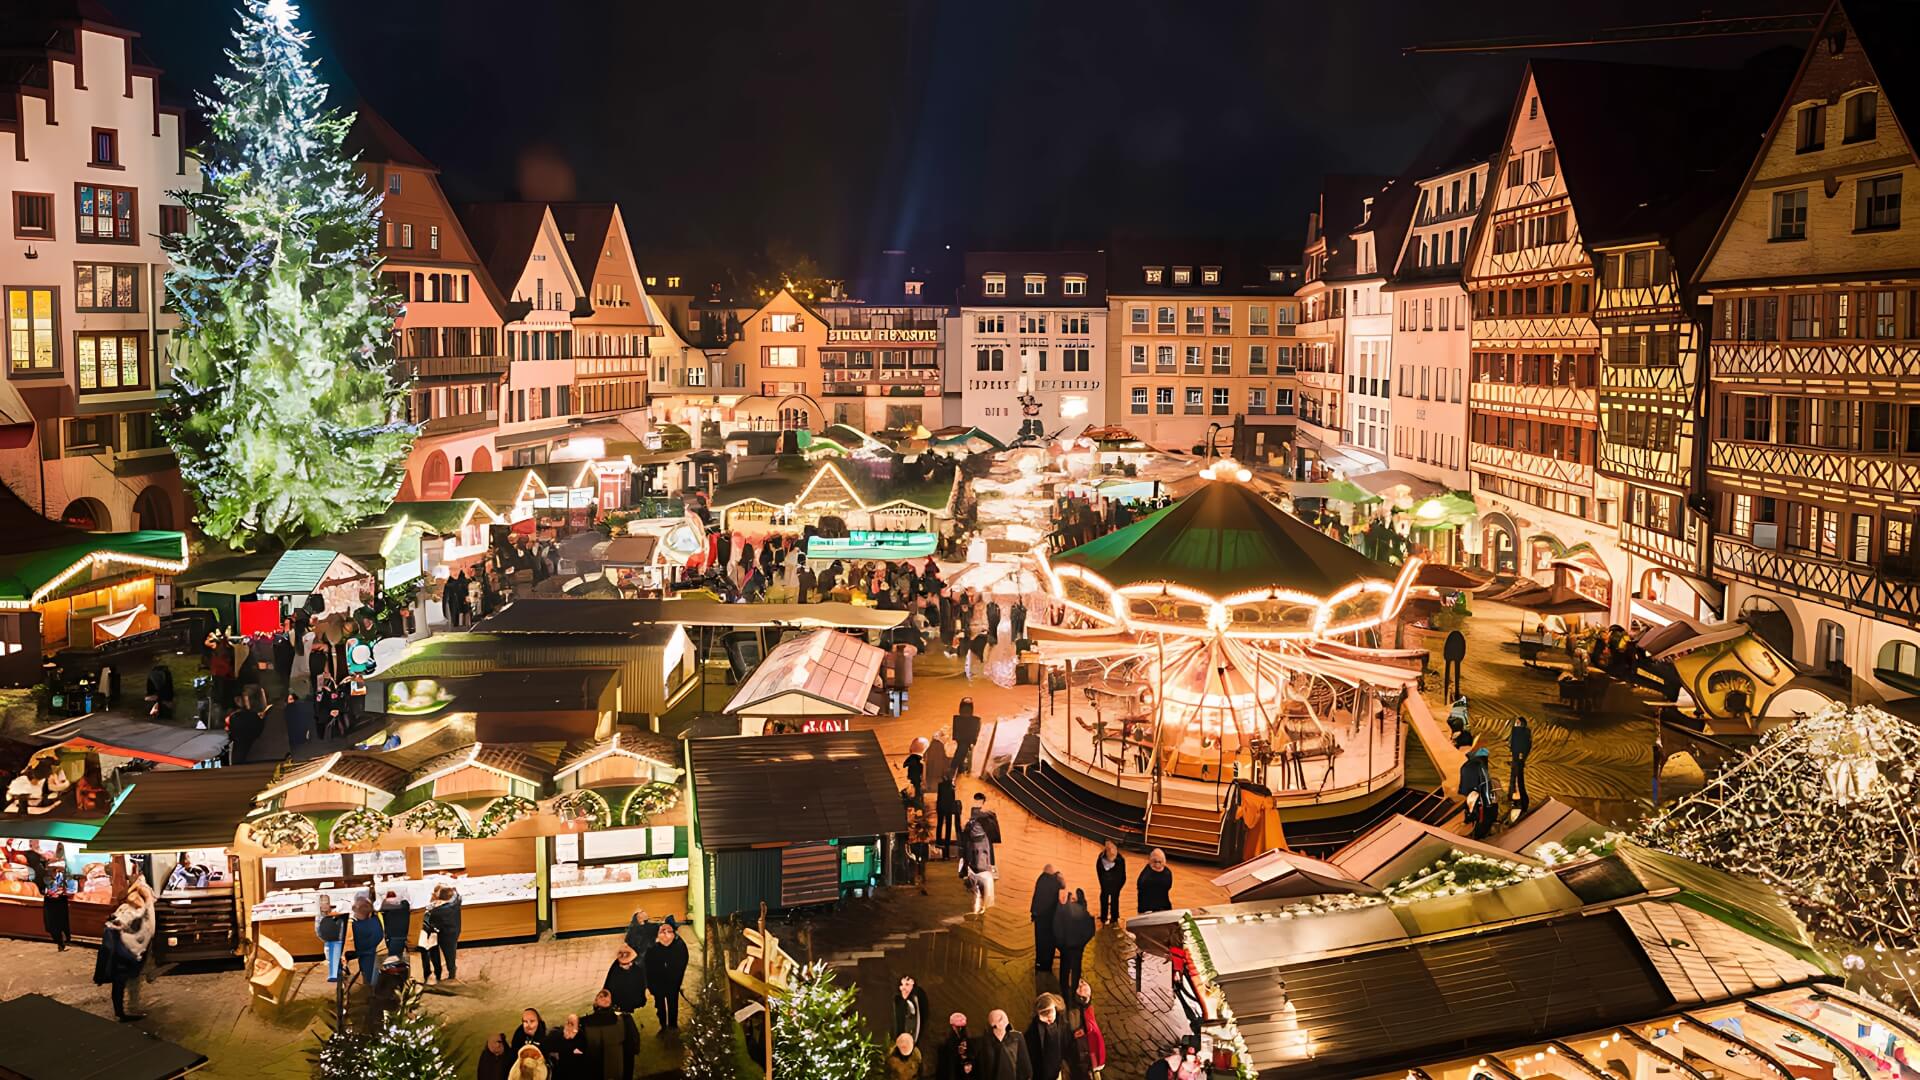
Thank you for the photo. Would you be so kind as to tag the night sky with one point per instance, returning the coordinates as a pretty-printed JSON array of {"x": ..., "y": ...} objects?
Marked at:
[{"x": 840, "y": 128}]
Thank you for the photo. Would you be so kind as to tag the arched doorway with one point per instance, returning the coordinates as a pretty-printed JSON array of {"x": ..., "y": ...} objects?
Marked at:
[
  {"x": 1829, "y": 646},
  {"x": 793, "y": 418},
  {"x": 1498, "y": 541},
  {"x": 436, "y": 479},
  {"x": 457, "y": 466},
  {"x": 153, "y": 509},
  {"x": 482, "y": 460},
  {"x": 88, "y": 514},
  {"x": 1769, "y": 622}
]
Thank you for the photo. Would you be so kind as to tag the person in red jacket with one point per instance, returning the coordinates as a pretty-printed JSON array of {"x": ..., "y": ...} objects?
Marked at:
[{"x": 1087, "y": 1052}]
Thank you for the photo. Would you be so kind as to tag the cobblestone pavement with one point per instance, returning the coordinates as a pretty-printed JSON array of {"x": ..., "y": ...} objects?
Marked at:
[{"x": 1600, "y": 764}]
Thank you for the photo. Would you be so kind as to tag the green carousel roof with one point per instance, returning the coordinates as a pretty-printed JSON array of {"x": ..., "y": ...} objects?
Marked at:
[{"x": 1225, "y": 538}]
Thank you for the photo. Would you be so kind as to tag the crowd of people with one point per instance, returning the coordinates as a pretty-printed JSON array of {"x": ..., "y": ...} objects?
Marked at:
[
  {"x": 603, "y": 1043},
  {"x": 377, "y": 922},
  {"x": 1062, "y": 1038},
  {"x": 1079, "y": 519}
]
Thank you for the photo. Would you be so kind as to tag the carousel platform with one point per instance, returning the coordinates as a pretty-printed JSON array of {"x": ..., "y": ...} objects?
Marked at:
[{"x": 1040, "y": 790}]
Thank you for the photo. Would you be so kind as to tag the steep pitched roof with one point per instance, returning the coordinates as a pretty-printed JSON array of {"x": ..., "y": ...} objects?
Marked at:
[
  {"x": 587, "y": 224},
  {"x": 1889, "y": 31},
  {"x": 1667, "y": 175},
  {"x": 503, "y": 235},
  {"x": 373, "y": 139},
  {"x": 1341, "y": 196},
  {"x": 1388, "y": 220}
]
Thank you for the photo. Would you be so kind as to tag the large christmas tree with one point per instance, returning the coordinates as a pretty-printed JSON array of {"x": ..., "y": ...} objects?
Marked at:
[
  {"x": 818, "y": 1035},
  {"x": 285, "y": 414}
]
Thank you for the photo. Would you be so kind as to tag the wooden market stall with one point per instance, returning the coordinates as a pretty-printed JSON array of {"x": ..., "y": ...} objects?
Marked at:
[
  {"x": 789, "y": 820},
  {"x": 818, "y": 681},
  {"x": 55, "y": 802},
  {"x": 627, "y": 848}
]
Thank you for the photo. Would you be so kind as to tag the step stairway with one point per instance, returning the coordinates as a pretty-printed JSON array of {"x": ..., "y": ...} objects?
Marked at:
[
  {"x": 1043, "y": 792},
  {"x": 1185, "y": 830},
  {"x": 1322, "y": 838}
]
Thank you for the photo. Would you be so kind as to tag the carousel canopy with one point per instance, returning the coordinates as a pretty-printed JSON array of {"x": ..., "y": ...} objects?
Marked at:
[{"x": 1225, "y": 538}]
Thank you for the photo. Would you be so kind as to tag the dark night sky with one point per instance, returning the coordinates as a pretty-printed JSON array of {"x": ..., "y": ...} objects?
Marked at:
[{"x": 841, "y": 127}]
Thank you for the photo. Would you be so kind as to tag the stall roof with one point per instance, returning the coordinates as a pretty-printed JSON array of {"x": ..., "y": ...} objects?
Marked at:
[
  {"x": 566, "y": 474},
  {"x": 635, "y": 743},
  {"x": 136, "y": 737},
  {"x": 304, "y": 570},
  {"x": 362, "y": 770},
  {"x": 629, "y": 551},
  {"x": 516, "y": 761},
  {"x": 441, "y": 517},
  {"x": 785, "y": 789},
  {"x": 506, "y": 488},
  {"x": 38, "y": 555},
  {"x": 74, "y": 1044},
  {"x": 558, "y": 616},
  {"x": 179, "y": 809},
  {"x": 535, "y": 690},
  {"x": 824, "y": 673}
]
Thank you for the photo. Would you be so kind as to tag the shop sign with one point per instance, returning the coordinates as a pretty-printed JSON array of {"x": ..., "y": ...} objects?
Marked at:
[{"x": 882, "y": 334}]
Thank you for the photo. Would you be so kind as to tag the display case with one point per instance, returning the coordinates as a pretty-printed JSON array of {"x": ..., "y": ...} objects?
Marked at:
[
  {"x": 20, "y": 904},
  {"x": 600, "y": 878}
]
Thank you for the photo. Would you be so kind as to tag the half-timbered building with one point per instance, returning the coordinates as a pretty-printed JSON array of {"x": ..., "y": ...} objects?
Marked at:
[
  {"x": 1813, "y": 466},
  {"x": 1329, "y": 259}
]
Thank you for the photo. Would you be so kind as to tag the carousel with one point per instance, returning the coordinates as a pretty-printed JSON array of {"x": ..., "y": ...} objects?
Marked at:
[{"x": 1220, "y": 659}]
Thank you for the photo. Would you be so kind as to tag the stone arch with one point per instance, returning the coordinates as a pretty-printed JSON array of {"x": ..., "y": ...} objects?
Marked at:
[
  {"x": 153, "y": 509},
  {"x": 436, "y": 477},
  {"x": 1496, "y": 526},
  {"x": 89, "y": 514},
  {"x": 1775, "y": 620},
  {"x": 482, "y": 460}
]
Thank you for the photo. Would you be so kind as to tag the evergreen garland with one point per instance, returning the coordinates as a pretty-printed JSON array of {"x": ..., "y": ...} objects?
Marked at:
[
  {"x": 501, "y": 813},
  {"x": 284, "y": 830},
  {"x": 817, "y": 1033},
  {"x": 710, "y": 1034},
  {"x": 359, "y": 826},
  {"x": 284, "y": 413},
  {"x": 583, "y": 805},
  {"x": 655, "y": 798},
  {"x": 443, "y": 820}
]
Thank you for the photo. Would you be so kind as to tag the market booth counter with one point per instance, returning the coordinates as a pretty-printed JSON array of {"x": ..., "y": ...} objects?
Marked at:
[
  {"x": 624, "y": 841},
  {"x": 55, "y": 803}
]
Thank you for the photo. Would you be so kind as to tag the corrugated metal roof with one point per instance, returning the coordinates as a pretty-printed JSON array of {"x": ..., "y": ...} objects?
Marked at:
[
  {"x": 771, "y": 789},
  {"x": 179, "y": 809}
]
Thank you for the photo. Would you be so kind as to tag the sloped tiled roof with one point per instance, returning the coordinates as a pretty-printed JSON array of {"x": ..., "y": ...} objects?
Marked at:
[
  {"x": 375, "y": 140},
  {"x": 503, "y": 235},
  {"x": 515, "y": 761},
  {"x": 588, "y": 224},
  {"x": 633, "y": 743}
]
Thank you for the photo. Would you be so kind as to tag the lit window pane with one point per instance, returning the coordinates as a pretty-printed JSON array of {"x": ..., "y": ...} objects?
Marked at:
[{"x": 88, "y": 361}]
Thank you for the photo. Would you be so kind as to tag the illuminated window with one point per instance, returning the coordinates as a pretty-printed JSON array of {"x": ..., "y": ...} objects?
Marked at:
[
  {"x": 104, "y": 287},
  {"x": 673, "y": 281},
  {"x": 1036, "y": 284},
  {"x": 108, "y": 361},
  {"x": 105, "y": 214},
  {"x": 780, "y": 356},
  {"x": 1154, "y": 274},
  {"x": 1074, "y": 286},
  {"x": 994, "y": 284},
  {"x": 1073, "y": 406},
  {"x": 1183, "y": 275},
  {"x": 30, "y": 332}
]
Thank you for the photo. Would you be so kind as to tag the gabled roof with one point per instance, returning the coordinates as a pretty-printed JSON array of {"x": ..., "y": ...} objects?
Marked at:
[
  {"x": 506, "y": 488},
  {"x": 1392, "y": 212},
  {"x": 440, "y": 517},
  {"x": 1666, "y": 176},
  {"x": 824, "y": 786},
  {"x": 825, "y": 673},
  {"x": 511, "y": 762},
  {"x": 181, "y": 809},
  {"x": 589, "y": 225},
  {"x": 637, "y": 745},
  {"x": 503, "y": 236},
  {"x": 374, "y": 140},
  {"x": 1222, "y": 539},
  {"x": 358, "y": 770},
  {"x": 565, "y": 474}
]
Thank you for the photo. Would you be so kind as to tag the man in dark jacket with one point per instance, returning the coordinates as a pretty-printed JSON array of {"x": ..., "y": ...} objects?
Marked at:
[
  {"x": 959, "y": 1055},
  {"x": 1110, "y": 869},
  {"x": 395, "y": 910},
  {"x": 1047, "y": 1037},
  {"x": 1072, "y": 930},
  {"x": 993, "y": 622},
  {"x": 1476, "y": 786},
  {"x": 1003, "y": 1053},
  {"x": 966, "y": 732},
  {"x": 666, "y": 967},
  {"x": 1019, "y": 618},
  {"x": 606, "y": 1038},
  {"x": 1047, "y": 889},
  {"x": 1520, "y": 745}
]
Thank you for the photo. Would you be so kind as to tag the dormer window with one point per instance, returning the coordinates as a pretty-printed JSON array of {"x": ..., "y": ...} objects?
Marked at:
[
  {"x": 673, "y": 281},
  {"x": 1155, "y": 275},
  {"x": 994, "y": 285},
  {"x": 1036, "y": 284},
  {"x": 913, "y": 288},
  {"x": 1862, "y": 116},
  {"x": 1073, "y": 286},
  {"x": 1210, "y": 275},
  {"x": 1183, "y": 275}
]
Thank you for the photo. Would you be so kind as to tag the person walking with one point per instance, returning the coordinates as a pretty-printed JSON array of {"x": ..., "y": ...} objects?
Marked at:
[
  {"x": 966, "y": 732},
  {"x": 1048, "y": 889},
  {"x": 935, "y": 759},
  {"x": 976, "y": 863},
  {"x": 1110, "y": 870},
  {"x": 496, "y": 1058},
  {"x": 1046, "y": 1037},
  {"x": 1476, "y": 786},
  {"x": 910, "y": 1009},
  {"x": 1087, "y": 1050},
  {"x": 123, "y": 950},
  {"x": 567, "y": 1049},
  {"x": 666, "y": 965},
  {"x": 919, "y": 836},
  {"x": 531, "y": 1032},
  {"x": 958, "y": 1057},
  {"x": 1072, "y": 930},
  {"x": 368, "y": 933},
  {"x": 626, "y": 980},
  {"x": 903, "y": 1061},
  {"x": 946, "y": 804},
  {"x": 56, "y": 891},
  {"x": 1018, "y": 616},
  {"x": 1153, "y": 889},
  {"x": 246, "y": 723},
  {"x": 606, "y": 1039},
  {"x": 1519, "y": 745},
  {"x": 915, "y": 767},
  {"x": 444, "y": 916},
  {"x": 395, "y": 913},
  {"x": 1003, "y": 1053},
  {"x": 331, "y": 928}
]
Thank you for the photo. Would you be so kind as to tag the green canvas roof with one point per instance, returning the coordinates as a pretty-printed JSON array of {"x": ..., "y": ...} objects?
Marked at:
[
  {"x": 35, "y": 551},
  {"x": 1222, "y": 539},
  {"x": 298, "y": 572},
  {"x": 437, "y": 516}
]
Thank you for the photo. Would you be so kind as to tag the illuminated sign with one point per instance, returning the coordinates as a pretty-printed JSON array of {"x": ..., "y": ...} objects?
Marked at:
[{"x": 883, "y": 334}]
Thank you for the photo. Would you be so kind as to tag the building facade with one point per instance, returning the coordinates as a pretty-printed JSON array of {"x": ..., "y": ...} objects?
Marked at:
[
  {"x": 1813, "y": 466},
  {"x": 1368, "y": 336},
  {"x": 880, "y": 367},
  {"x": 1031, "y": 352},
  {"x": 1430, "y": 328},
  {"x": 611, "y": 346},
  {"x": 1533, "y": 404},
  {"x": 92, "y": 156},
  {"x": 1328, "y": 257},
  {"x": 1202, "y": 350},
  {"x": 774, "y": 364},
  {"x": 522, "y": 248},
  {"x": 447, "y": 341}
]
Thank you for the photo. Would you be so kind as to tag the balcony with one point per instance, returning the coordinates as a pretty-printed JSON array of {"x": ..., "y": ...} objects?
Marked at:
[
  {"x": 602, "y": 367},
  {"x": 451, "y": 367},
  {"x": 1890, "y": 590},
  {"x": 1531, "y": 468},
  {"x": 453, "y": 425}
]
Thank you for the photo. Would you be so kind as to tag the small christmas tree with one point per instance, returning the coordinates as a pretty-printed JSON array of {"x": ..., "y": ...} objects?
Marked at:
[
  {"x": 710, "y": 1033},
  {"x": 408, "y": 1045},
  {"x": 818, "y": 1035},
  {"x": 284, "y": 414}
]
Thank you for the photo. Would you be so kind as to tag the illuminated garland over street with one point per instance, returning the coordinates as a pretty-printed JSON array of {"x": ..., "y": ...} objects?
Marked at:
[{"x": 1823, "y": 811}]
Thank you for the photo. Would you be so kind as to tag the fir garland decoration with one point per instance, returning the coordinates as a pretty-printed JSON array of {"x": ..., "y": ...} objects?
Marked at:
[
  {"x": 1460, "y": 872},
  {"x": 443, "y": 820},
  {"x": 285, "y": 830},
  {"x": 501, "y": 813},
  {"x": 583, "y": 805},
  {"x": 361, "y": 825},
  {"x": 655, "y": 798}
]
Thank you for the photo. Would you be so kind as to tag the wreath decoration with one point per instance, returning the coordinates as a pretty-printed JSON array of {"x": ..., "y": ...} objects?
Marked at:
[
  {"x": 501, "y": 813},
  {"x": 583, "y": 804},
  {"x": 654, "y": 798},
  {"x": 443, "y": 820},
  {"x": 285, "y": 830},
  {"x": 361, "y": 825}
]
